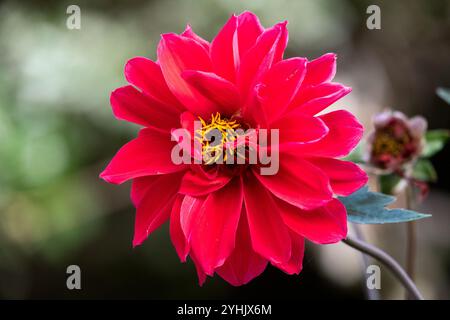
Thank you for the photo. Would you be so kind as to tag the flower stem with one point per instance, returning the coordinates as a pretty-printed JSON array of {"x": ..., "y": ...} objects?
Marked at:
[
  {"x": 388, "y": 261},
  {"x": 371, "y": 294}
]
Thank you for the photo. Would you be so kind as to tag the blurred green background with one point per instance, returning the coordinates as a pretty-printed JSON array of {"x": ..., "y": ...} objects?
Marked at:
[{"x": 57, "y": 132}]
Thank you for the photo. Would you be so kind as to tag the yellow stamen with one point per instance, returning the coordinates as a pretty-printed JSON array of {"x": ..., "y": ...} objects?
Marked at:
[
  {"x": 384, "y": 143},
  {"x": 212, "y": 151}
]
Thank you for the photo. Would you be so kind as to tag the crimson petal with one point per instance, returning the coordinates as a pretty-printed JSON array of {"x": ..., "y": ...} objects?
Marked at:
[
  {"x": 345, "y": 176},
  {"x": 148, "y": 154},
  {"x": 243, "y": 264},
  {"x": 320, "y": 70},
  {"x": 155, "y": 206},
  {"x": 131, "y": 105},
  {"x": 298, "y": 182},
  {"x": 224, "y": 51},
  {"x": 176, "y": 54},
  {"x": 270, "y": 236},
  {"x": 295, "y": 263},
  {"x": 345, "y": 133},
  {"x": 215, "y": 88},
  {"x": 297, "y": 128},
  {"x": 176, "y": 232},
  {"x": 189, "y": 33},
  {"x": 147, "y": 76},
  {"x": 280, "y": 84},
  {"x": 213, "y": 236},
  {"x": 324, "y": 225},
  {"x": 258, "y": 59},
  {"x": 248, "y": 30},
  {"x": 197, "y": 182},
  {"x": 312, "y": 100}
]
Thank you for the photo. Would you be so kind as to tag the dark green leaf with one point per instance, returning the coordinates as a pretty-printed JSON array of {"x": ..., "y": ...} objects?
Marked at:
[
  {"x": 435, "y": 142},
  {"x": 444, "y": 93},
  {"x": 424, "y": 171},
  {"x": 367, "y": 207},
  {"x": 388, "y": 183}
]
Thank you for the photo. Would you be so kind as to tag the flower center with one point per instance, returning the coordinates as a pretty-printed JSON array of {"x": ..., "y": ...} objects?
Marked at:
[
  {"x": 386, "y": 144},
  {"x": 393, "y": 143},
  {"x": 218, "y": 138}
]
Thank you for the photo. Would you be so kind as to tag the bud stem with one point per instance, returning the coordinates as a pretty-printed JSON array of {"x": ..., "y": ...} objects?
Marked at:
[{"x": 388, "y": 261}]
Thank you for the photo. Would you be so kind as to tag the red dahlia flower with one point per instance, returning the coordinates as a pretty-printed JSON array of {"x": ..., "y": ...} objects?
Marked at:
[{"x": 229, "y": 218}]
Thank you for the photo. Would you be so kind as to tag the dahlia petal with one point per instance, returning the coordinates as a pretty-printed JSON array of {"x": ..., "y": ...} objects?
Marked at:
[
  {"x": 176, "y": 54},
  {"x": 312, "y": 100},
  {"x": 224, "y": 50},
  {"x": 190, "y": 208},
  {"x": 148, "y": 154},
  {"x": 131, "y": 105},
  {"x": 345, "y": 133},
  {"x": 176, "y": 233},
  {"x": 213, "y": 236},
  {"x": 280, "y": 84},
  {"x": 297, "y": 128},
  {"x": 243, "y": 264},
  {"x": 298, "y": 182},
  {"x": 155, "y": 207},
  {"x": 282, "y": 42},
  {"x": 187, "y": 121},
  {"x": 198, "y": 183},
  {"x": 269, "y": 235},
  {"x": 253, "y": 112},
  {"x": 200, "y": 273},
  {"x": 258, "y": 60},
  {"x": 345, "y": 176},
  {"x": 139, "y": 188},
  {"x": 320, "y": 70},
  {"x": 215, "y": 88},
  {"x": 295, "y": 263},
  {"x": 324, "y": 225},
  {"x": 248, "y": 30},
  {"x": 147, "y": 76},
  {"x": 189, "y": 33}
]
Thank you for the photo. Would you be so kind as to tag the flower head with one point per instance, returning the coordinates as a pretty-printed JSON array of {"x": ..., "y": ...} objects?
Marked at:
[
  {"x": 231, "y": 219},
  {"x": 396, "y": 140}
]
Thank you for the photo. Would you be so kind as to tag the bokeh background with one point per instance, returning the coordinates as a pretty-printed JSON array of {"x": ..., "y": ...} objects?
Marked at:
[{"x": 57, "y": 132}]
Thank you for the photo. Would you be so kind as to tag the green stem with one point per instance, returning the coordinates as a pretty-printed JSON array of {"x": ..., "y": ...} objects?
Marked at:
[{"x": 371, "y": 294}]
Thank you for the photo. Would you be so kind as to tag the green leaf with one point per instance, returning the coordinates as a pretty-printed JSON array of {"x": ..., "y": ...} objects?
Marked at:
[
  {"x": 424, "y": 171},
  {"x": 435, "y": 142},
  {"x": 388, "y": 183},
  {"x": 368, "y": 207},
  {"x": 444, "y": 93}
]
